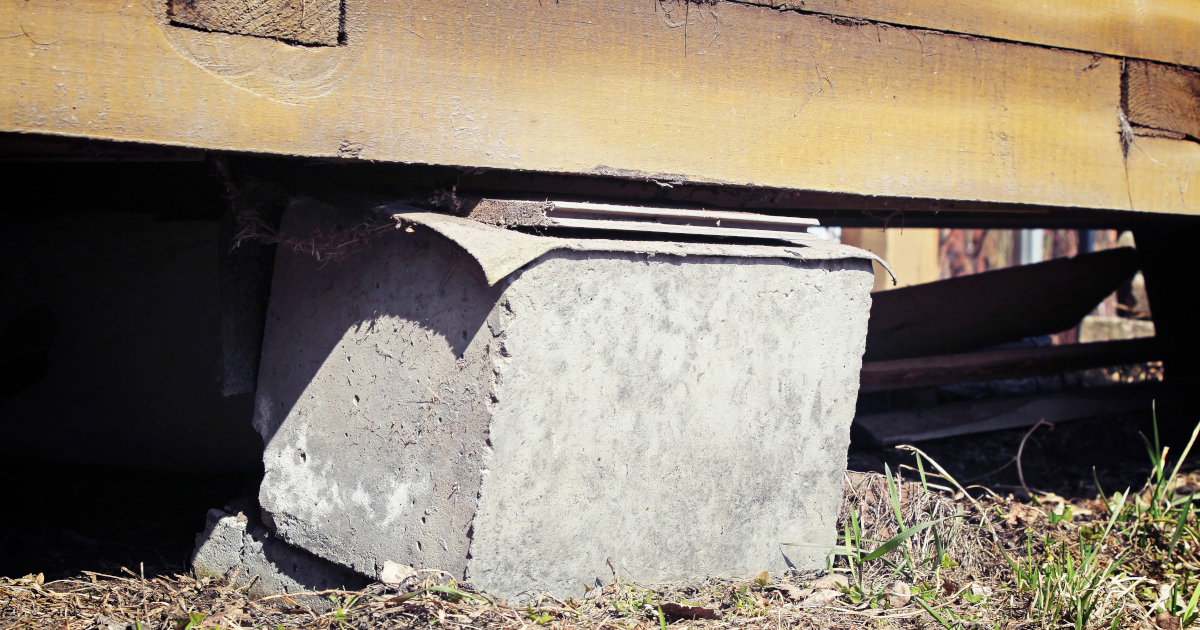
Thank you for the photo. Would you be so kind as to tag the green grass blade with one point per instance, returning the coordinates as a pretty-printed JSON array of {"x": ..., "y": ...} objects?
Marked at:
[
  {"x": 895, "y": 541},
  {"x": 439, "y": 589},
  {"x": 933, "y": 613},
  {"x": 894, "y": 493},
  {"x": 1103, "y": 497},
  {"x": 857, "y": 534},
  {"x": 1181, "y": 500},
  {"x": 1191, "y": 607},
  {"x": 1115, "y": 513},
  {"x": 1179, "y": 526},
  {"x": 1150, "y": 450},
  {"x": 925, "y": 482},
  {"x": 1154, "y": 418},
  {"x": 1184, "y": 454}
]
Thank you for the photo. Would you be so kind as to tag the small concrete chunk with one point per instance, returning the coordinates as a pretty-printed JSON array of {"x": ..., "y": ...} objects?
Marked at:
[
  {"x": 236, "y": 546},
  {"x": 673, "y": 414},
  {"x": 395, "y": 573}
]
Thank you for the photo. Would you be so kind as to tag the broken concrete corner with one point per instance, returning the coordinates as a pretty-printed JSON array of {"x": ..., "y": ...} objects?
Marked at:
[
  {"x": 237, "y": 546},
  {"x": 674, "y": 408}
]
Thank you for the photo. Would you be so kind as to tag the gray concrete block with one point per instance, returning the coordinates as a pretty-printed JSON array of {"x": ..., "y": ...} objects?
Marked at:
[{"x": 656, "y": 404}]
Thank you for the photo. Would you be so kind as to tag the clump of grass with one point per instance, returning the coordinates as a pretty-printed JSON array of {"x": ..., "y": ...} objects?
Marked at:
[
  {"x": 1087, "y": 591},
  {"x": 1061, "y": 571},
  {"x": 1157, "y": 528},
  {"x": 915, "y": 535},
  {"x": 1102, "y": 574}
]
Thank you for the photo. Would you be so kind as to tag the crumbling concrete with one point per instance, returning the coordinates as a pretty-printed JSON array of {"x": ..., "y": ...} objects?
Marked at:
[
  {"x": 235, "y": 544},
  {"x": 673, "y": 414}
]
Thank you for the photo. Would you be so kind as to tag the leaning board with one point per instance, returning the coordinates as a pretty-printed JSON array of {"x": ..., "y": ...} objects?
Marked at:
[{"x": 727, "y": 93}]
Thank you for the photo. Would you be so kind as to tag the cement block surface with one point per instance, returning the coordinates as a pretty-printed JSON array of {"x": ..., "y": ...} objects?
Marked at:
[{"x": 675, "y": 414}]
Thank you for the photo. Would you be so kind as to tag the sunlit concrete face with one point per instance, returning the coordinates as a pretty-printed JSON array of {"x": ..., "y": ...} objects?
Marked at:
[{"x": 677, "y": 415}]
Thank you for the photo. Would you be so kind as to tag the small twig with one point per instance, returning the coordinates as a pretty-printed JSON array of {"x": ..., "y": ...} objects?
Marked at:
[
  {"x": 1021, "y": 449},
  {"x": 142, "y": 569},
  {"x": 1015, "y": 459}
]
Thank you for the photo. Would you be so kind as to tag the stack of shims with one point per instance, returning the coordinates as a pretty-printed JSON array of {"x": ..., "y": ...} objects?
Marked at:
[{"x": 599, "y": 216}]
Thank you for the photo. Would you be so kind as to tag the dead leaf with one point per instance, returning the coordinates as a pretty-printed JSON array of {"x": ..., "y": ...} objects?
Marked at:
[
  {"x": 688, "y": 612},
  {"x": 832, "y": 581},
  {"x": 1166, "y": 621},
  {"x": 793, "y": 593},
  {"x": 899, "y": 594},
  {"x": 1020, "y": 514},
  {"x": 949, "y": 587},
  {"x": 820, "y": 599}
]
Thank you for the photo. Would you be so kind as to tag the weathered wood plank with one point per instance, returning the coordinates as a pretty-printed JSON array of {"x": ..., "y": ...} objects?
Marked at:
[
  {"x": 728, "y": 93},
  {"x": 1002, "y": 306},
  {"x": 878, "y": 376},
  {"x": 1162, "y": 30},
  {"x": 302, "y": 21},
  {"x": 997, "y": 414},
  {"x": 1162, "y": 97}
]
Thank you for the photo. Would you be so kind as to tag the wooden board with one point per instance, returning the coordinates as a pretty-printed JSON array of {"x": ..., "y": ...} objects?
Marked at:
[
  {"x": 994, "y": 307},
  {"x": 997, "y": 414},
  {"x": 878, "y": 376},
  {"x": 1163, "y": 30},
  {"x": 727, "y": 93}
]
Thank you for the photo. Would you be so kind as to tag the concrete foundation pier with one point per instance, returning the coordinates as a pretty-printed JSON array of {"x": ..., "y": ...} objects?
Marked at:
[{"x": 520, "y": 410}]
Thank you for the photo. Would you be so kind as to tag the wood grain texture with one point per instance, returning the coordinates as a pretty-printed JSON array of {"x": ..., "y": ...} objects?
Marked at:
[
  {"x": 302, "y": 21},
  {"x": 734, "y": 94},
  {"x": 1162, "y": 97},
  {"x": 1164, "y": 175},
  {"x": 1162, "y": 30}
]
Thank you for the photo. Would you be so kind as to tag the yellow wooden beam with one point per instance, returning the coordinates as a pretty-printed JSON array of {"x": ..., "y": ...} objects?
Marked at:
[
  {"x": 1164, "y": 174},
  {"x": 728, "y": 93},
  {"x": 1160, "y": 30}
]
